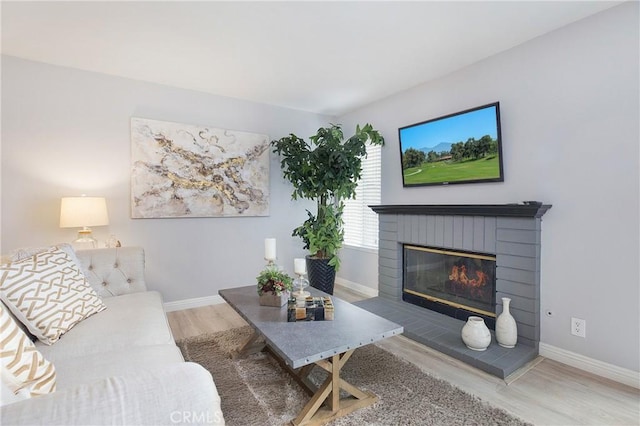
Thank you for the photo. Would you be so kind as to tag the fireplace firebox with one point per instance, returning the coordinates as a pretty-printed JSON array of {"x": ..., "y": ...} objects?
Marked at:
[{"x": 454, "y": 283}]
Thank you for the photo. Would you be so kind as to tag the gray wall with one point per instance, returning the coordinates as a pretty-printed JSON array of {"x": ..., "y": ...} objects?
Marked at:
[
  {"x": 66, "y": 132},
  {"x": 570, "y": 125}
]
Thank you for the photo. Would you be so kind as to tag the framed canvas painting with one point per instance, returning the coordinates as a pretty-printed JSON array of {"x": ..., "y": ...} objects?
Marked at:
[{"x": 184, "y": 170}]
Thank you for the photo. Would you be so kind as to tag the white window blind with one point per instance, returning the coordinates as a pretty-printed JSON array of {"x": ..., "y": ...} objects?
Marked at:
[{"x": 360, "y": 222}]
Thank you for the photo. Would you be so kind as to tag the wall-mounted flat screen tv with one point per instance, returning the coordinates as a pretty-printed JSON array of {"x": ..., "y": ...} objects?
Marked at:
[{"x": 465, "y": 147}]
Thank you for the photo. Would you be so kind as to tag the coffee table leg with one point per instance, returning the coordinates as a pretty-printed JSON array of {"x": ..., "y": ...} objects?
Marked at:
[
  {"x": 252, "y": 345},
  {"x": 314, "y": 414}
]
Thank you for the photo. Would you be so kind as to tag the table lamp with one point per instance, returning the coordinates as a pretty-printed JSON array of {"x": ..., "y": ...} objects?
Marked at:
[{"x": 76, "y": 212}]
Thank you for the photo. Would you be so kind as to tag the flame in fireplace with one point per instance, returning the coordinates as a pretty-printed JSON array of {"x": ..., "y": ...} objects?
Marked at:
[{"x": 459, "y": 274}]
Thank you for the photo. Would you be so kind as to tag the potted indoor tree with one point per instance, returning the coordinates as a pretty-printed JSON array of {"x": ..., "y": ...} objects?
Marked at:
[{"x": 325, "y": 170}]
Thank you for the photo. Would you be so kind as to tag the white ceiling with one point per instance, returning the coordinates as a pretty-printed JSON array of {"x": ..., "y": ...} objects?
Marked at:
[{"x": 325, "y": 57}]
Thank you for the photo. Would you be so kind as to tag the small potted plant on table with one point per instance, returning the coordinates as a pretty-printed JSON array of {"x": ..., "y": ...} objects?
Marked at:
[{"x": 274, "y": 287}]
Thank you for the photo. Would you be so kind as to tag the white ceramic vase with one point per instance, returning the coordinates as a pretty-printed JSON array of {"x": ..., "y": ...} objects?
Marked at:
[
  {"x": 475, "y": 334},
  {"x": 506, "y": 327}
]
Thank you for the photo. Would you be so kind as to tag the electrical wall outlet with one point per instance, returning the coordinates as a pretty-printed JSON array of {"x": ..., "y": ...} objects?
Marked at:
[{"x": 578, "y": 327}]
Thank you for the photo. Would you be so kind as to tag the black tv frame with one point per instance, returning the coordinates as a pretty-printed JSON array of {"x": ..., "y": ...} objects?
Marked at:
[{"x": 500, "y": 178}]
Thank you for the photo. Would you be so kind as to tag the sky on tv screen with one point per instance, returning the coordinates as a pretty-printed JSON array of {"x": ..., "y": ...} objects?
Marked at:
[{"x": 459, "y": 128}]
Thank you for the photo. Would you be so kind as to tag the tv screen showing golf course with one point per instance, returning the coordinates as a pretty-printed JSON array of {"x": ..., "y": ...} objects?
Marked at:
[{"x": 464, "y": 147}]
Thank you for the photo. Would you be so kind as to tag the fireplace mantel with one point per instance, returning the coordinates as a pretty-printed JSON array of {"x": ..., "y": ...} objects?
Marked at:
[{"x": 527, "y": 209}]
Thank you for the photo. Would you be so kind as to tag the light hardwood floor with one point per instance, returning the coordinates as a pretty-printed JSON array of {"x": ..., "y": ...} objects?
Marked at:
[{"x": 549, "y": 393}]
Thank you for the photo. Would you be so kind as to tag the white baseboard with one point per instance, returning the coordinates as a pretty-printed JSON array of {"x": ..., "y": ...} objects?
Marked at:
[
  {"x": 216, "y": 299},
  {"x": 367, "y": 291},
  {"x": 594, "y": 366},
  {"x": 179, "y": 305}
]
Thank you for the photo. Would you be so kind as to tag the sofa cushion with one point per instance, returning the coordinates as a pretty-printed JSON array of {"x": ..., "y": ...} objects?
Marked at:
[
  {"x": 48, "y": 293},
  {"x": 181, "y": 393},
  {"x": 93, "y": 367},
  {"x": 114, "y": 271},
  {"x": 24, "y": 370},
  {"x": 135, "y": 319},
  {"x": 7, "y": 396}
]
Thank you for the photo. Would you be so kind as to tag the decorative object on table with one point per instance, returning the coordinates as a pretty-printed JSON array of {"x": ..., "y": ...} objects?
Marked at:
[
  {"x": 274, "y": 286},
  {"x": 506, "y": 327},
  {"x": 291, "y": 309},
  {"x": 113, "y": 242},
  {"x": 313, "y": 309},
  {"x": 300, "y": 283},
  {"x": 83, "y": 212},
  {"x": 327, "y": 171},
  {"x": 270, "y": 250},
  {"x": 475, "y": 334},
  {"x": 182, "y": 170}
]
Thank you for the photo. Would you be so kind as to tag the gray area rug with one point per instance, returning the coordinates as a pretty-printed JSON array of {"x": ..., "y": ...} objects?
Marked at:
[{"x": 257, "y": 391}]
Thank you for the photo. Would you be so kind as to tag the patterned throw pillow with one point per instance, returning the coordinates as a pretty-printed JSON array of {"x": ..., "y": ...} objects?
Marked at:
[
  {"x": 48, "y": 293},
  {"x": 24, "y": 370},
  {"x": 25, "y": 252}
]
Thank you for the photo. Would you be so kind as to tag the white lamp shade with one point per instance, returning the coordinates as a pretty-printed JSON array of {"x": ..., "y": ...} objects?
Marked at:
[{"x": 77, "y": 212}]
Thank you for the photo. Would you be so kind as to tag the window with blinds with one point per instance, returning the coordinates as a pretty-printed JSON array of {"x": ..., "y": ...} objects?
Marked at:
[{"x": 360, "y": 222}]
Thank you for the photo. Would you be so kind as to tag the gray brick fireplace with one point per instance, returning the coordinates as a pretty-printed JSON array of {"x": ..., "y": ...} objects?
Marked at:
[{"x": 511, "y": 232}]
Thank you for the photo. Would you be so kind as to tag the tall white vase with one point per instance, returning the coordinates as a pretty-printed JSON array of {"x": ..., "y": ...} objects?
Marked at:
[
  {"x": 506, "y": 327},
  {"x": 475, "y": 334}
]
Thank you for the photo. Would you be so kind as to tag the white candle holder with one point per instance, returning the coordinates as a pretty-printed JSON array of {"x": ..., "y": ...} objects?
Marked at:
[{"x": 300, "y": 283}]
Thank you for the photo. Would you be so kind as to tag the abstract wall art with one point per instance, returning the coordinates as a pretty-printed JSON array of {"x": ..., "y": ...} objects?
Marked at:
[{"x": 183, "y": 170}]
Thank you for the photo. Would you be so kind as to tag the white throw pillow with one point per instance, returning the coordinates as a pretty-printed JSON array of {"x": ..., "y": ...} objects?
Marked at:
[
  {"x": 48, "y": 293},
  {"x": 25, "y": 372},
  {"x": 27, "y": 252}
]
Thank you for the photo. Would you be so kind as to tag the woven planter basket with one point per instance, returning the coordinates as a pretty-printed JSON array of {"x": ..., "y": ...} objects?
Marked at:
[{"x": 321, "y": 275}]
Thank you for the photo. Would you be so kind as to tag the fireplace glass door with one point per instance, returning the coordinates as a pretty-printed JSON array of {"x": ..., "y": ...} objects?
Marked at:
[{"x": 461, "y": 283}]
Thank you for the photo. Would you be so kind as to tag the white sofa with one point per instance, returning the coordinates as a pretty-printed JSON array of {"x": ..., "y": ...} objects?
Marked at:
[{"x": 121, "y": 365}]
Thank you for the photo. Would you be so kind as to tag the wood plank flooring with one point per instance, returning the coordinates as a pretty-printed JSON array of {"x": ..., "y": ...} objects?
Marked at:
[{"x": 549, "y": 393}]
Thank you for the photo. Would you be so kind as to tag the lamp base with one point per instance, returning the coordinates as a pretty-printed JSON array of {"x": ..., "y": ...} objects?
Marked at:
[{"x": 85, "y": 240}]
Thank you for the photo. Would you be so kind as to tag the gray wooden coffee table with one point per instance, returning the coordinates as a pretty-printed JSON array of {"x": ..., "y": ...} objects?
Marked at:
[{"x": 304, "y": 344}]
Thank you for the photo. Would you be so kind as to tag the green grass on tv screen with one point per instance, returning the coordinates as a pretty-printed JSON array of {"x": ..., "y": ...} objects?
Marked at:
[{"x": 445, "y": 171}]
